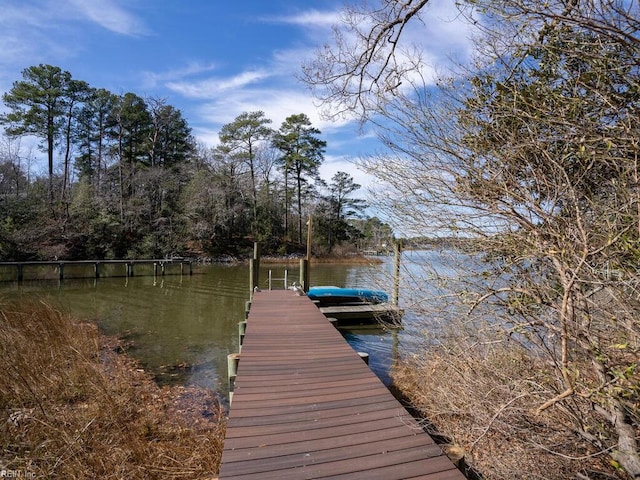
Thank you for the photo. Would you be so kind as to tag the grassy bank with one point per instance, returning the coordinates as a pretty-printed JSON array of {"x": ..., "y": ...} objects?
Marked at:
[
  {"x": 71, "y": 407},
  {"x": 483, "y": 401}
]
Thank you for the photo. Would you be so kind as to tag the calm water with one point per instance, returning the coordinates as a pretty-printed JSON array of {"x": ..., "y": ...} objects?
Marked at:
[{"x": 182, "y": 327}]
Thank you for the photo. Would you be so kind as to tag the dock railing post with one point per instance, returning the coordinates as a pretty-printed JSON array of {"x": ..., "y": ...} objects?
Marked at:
[
  {"x": 254, "y": 269},
  {"x": 252, "y": 276},
  {"x": 397, "y": 248},
  {"x": 232, "y": 371},
  {"x": 304, "y": 274}
]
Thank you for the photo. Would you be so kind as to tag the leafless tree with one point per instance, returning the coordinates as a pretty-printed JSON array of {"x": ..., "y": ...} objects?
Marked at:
[{"x": 531, "y": 154}]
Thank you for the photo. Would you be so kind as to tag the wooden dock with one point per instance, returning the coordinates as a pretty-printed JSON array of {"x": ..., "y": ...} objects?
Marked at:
[
  {"x": 366, "y": 311},
  {"x": 159, "y": 266},
  {"x": 306, "y": 406}
]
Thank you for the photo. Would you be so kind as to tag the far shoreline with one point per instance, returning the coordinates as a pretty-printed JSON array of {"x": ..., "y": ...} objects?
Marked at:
[{"x": 330, "y": 259}]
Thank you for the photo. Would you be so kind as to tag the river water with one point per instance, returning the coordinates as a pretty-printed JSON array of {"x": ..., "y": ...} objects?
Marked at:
[{"x": 181, "y": 327}]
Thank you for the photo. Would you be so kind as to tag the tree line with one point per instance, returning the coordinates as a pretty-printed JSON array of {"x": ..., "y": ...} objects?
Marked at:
[{"x": 126, "y": 178}]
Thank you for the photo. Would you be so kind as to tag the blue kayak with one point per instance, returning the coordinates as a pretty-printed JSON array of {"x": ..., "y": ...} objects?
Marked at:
[{"x": 337, "y": 295}]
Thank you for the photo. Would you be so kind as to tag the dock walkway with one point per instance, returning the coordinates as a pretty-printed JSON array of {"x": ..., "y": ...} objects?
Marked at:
[{"x": 306, "y": 406}]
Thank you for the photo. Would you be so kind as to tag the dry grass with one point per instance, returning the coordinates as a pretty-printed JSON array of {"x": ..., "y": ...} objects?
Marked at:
[
  {"x": 70, "y": 407},
  {"x": 484, "y": 398}
]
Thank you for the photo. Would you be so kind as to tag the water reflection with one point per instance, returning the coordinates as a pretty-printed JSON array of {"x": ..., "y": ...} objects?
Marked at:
[{"x": 182, "y": 327}]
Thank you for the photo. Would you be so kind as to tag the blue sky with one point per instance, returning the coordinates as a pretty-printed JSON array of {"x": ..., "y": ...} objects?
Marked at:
[{"x": 212, "y": 59}]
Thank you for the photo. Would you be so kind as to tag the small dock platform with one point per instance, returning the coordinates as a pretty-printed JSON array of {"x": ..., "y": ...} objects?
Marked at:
[
  {"x": 306, "y": 406},
  {"x": 366, "y": 311}
]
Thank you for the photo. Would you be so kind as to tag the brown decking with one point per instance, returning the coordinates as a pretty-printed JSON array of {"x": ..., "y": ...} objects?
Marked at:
[{"x": 306, "y": 406}]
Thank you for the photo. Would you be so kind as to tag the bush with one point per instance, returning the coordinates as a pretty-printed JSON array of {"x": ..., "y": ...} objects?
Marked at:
[
  {"x": 70, "y": 407},
  {"x": 484, "y": 398}
]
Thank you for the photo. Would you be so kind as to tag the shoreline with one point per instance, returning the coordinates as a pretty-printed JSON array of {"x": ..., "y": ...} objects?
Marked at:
[{"x": 339, "y": 260}]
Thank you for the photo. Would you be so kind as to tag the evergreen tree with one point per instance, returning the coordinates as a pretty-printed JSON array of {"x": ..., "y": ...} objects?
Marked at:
[
  {"x": 92, "y": 135},
  {"x": 37, "y": 107},
  {"x": 242, "y": 138},
  {"x": 303, "y": 153},
  {"x": 341, "y": 207}
]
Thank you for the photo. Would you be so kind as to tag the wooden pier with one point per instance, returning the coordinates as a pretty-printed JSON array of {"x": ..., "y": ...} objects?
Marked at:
[
  {"x": 306, "y": 406},
  {"x": 159, "y": 266}
]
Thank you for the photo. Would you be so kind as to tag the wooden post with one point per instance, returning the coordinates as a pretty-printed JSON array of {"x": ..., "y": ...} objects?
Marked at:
[
  {"x": 20, "y": 272},
  {"x": 232, "y": 364},
  {"x": 190, "y": 267},
  {"x": 307, "y": 272},
  {"x": 96, "y": 269},
  {"x": 242, "y": 330},
  {"x": 304, "y": 274},
  {"x": 232, "y": 371},
  {"x": 256, "y": 266},
  {"x": 396, "y": 277},
  {"x": 309, "y": 234},
  {"x": 61, "y": 270},
  {"x": 252, "y": 276}
]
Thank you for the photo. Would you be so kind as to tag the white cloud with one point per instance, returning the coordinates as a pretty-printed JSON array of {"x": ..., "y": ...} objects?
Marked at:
[
  {"x": 108, "y": 14},
  {"x": 334, "y": 164},
  {"x": 277, "y": 104},
  {"x": 213, "y": 87},
  {"x": 310, "y": 18},
  {"x": 444, "y": 32},
  {"x": 47, "y": 31},
  {"x": 153, "y": 79}
]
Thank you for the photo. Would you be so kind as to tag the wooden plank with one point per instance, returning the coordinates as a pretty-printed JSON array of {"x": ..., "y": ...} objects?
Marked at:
[{"x": 305, "y": 405}]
